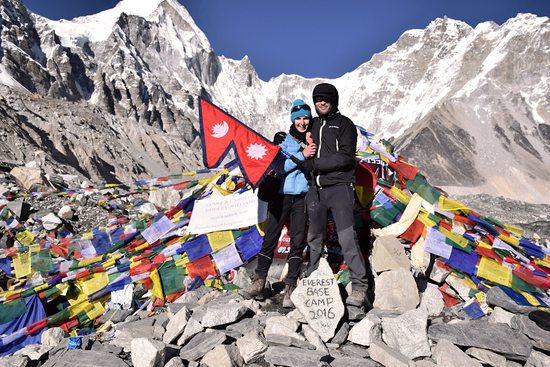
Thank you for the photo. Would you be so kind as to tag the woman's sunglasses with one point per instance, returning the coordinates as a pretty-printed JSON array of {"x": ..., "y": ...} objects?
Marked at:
[{"x": 300, "y": 107}]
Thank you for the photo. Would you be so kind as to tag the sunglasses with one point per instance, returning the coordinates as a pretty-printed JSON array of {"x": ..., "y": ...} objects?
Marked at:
[
  {"x": 300, "y": 107},
  {"x": 321, "y": 99}
]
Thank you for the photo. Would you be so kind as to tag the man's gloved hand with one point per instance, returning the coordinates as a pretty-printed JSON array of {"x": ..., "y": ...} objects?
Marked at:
[
  {"x": 307, "y": 165},
  {"x": 279, "y": 137}
]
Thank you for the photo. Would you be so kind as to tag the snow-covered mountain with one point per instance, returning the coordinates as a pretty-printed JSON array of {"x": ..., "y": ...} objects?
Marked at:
[{"x": 114, "y": 96}]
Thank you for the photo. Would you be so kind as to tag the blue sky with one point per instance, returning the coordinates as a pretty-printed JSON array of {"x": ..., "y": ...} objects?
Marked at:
[{"x": 312, "y": 38}]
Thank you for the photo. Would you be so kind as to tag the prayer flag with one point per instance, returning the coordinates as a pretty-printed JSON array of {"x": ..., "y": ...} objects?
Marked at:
[{"x": 220, "y": 131}]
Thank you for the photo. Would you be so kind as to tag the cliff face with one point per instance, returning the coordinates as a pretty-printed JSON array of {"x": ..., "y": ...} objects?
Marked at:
[{"x": 114, "y": 96}]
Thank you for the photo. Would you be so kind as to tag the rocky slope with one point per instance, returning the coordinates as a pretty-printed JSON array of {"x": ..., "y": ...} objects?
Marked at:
[{"x": 468, "y": 105}]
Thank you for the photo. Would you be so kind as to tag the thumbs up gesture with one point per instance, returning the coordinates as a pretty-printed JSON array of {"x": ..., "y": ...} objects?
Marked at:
[{"x": 311, "y": 148}]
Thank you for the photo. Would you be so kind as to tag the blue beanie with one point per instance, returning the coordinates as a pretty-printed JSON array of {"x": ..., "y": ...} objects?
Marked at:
[{"x": 305, "y": 111}]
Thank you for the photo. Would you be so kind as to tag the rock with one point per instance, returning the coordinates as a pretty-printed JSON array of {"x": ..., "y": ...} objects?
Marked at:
[
  {"x": 318, "y": 299},
  {"x": 396, "y": 290},
  {"x": 246, "y": 326},
  {"x": 500, "y": 315},
  {"x": 176, "y": 325},
  {"x": 487, "y": 357},
  {"x": 432, "y": 301},
  {"x": 51, "y": 221},
  {"x": 499, "y": 338},
  {"x": 438, "y": 274},
  {"x": 223, "y": 314},
  {"x": 164, "y": 198},
  {"x": 251, "y": 347},
  {"x": 352, "y": 362},
  {"x": 252, "y": 305},
  {"x": 281, "y": 321},
  {"x": 14, "y": 361},
  {"x": 33, "y": 351},
  {"x": 297, "y": 315},
  {"x": 53, "y": 337},
  {"x": 387, "y": 356},
  {"x": 115, "y": 316},
  {"x": 148, "y": 352},
  {"x": 366, "y": 331},
  {"x": 446, "y": 354},
  {"x": 388, "y": 254},
  {"x": 530, "y": 328},
  {"x": 355, "y": 313},
  {"x": 290, "y": 356},
  {"x": 408, "y": 333},
  {"x": 424, "y": 363},
  {"x": 223, "y": 356},
  {"x": 66, "y": 212},
  {"x": 192, "y": 328},
  {"x": 353, "y": 350},
  {"x": 84, "y": 358},
  {"x": 128, "y": 332},
  {"x": 497, "y": 297},
  {"x": 32, "y": 179},
  {"x": 314, "y": 338},
  {"x": 538, "y": 359},
  {"x": 201, "y": 344},
  {"x": 342, "y": 334},
  {"x": 20, "y": 208},
  {"x": 175, "y": 362},
  {"x": 193, "y": 296},
  {"x": 458, "y": 285}
]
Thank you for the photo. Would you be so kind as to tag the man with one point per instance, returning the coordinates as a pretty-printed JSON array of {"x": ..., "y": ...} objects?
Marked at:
[{"x": 333, "y": 174}]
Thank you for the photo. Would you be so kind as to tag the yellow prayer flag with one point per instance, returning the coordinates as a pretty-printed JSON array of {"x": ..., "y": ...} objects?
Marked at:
[
  {"x": 481, "y": 297},
  {"x": 450, "y": 205},
  {"x": 22, "y": 264},
  {"x": 513, "y": 229},
  {"x": 213, "y": 283},
  {"x": 157, "y": 285},
  {"x": 87, "y": 236},
  {"x": 532, "y": 300},
  {"x": 494, "y": 272},
  {"x": 426, "y": 220},
  {"x": 400, "y": 195},
  {"x": 455, "y": 237},
  {"x": 511, "y": 240},
  {"x": 469, "y": 282},
  {"x": 142, "y": 247},
  {"x": 261, "y": 227},
  {"x": 92, "y": 260},
  {"x": 95, "y": 309},
  {"x": 26, "y": 238},
  {"x": 543, "y": 262},
  {"x": 219, "y": 240},
  {"x": 93, "y": 283},
  {"x": 182, "y": 262}
]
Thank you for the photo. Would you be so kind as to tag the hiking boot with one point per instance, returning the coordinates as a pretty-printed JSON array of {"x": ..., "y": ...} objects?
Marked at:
[
  {"x": 255, "y": 289},
  {"x": 287, "y": 302},
  {"x": 357, "y": 298}
]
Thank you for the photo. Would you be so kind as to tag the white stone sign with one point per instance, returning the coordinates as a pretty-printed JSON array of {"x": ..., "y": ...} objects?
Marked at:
[
  {"x": 227, "y": 212},
  {"x": 318, "y": 299}
]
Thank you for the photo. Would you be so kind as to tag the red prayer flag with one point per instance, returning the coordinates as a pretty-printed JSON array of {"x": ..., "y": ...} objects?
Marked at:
[{"x": 220, "y": 131}]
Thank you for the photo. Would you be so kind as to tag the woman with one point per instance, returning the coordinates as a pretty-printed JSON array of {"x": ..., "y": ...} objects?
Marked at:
[{"x": 290, "y": 202}]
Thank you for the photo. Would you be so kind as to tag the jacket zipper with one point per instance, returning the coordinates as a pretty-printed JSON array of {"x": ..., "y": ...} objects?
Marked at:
[{"x": 317, "y": 179}]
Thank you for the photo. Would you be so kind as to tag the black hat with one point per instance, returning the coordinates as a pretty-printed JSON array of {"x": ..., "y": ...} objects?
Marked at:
[{"x": 329, "y": 91}]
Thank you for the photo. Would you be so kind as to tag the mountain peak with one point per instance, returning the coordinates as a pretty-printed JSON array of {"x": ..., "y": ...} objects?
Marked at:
[{"x": 98, "y": 27}]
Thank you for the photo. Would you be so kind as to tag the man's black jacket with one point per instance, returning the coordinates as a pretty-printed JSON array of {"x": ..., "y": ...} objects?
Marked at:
[{"x": 336, "y": 139}]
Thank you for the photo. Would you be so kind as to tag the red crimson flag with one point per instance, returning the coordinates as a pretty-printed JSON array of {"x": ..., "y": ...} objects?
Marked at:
[{"x": 220, "y": 131}]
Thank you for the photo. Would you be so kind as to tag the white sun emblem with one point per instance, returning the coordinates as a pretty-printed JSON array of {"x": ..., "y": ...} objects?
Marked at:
[
  {"x": 256, "y": 151},
  {"x": 219, "y": 130}
]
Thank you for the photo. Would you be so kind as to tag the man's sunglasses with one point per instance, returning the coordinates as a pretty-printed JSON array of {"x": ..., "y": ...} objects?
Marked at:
[
  {"x": 321, "y": 99},
  {"x": 300, "y": 107}
]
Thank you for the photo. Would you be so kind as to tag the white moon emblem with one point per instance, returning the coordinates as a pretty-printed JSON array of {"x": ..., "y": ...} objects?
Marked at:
[{"x": 219, "y": 130}]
